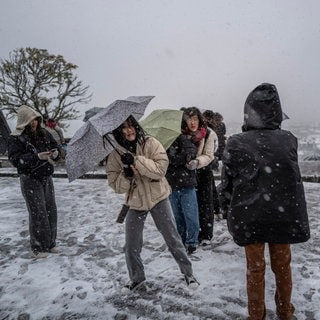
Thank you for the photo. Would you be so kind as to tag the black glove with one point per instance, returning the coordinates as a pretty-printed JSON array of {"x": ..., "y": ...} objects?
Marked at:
[{"x": 127, "y": 160}]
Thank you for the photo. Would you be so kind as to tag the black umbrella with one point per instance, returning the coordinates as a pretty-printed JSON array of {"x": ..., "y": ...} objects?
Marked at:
[{"x": 4, "y": 133}]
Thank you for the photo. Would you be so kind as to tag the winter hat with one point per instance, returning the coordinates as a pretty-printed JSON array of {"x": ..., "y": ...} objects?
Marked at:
[
  {"x": 262, "y": 109},
  {"x": 25, "y": 116}
]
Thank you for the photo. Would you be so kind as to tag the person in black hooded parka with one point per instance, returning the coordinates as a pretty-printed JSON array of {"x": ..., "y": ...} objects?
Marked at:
[
  {"x": 263, "y": 195},
  {"x": 31, "y": 149}
]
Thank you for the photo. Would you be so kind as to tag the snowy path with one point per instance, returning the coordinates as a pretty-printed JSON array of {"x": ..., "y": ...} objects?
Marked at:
[{"x": 84, "y": 281}]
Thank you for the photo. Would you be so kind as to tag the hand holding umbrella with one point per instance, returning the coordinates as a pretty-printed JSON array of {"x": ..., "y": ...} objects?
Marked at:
[{"x": 127, "y": 160}]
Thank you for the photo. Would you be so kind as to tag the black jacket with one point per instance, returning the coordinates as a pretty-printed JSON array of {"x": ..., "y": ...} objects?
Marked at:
[
  {"x": 261, "y": 186},
  {"x": 24, "y": 155},
  {"x": 221, "y": 133},
  {"x": 180, "y": 153}
]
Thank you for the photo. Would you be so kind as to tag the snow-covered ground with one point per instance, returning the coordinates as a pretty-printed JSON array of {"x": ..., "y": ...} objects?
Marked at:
[{"x": 84, "y": 280}]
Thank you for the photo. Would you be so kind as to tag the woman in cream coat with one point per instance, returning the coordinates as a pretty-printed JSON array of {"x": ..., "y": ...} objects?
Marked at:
[{"x": 137, "y": 167}]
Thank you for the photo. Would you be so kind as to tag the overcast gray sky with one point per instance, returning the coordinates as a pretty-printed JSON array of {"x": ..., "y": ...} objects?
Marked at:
[{"x": 207, "y": 53}]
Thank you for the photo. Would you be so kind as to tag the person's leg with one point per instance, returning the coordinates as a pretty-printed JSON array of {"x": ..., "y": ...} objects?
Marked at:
[
  {"x": 39, "y": 226},
  {"x": 205, "y": 204},
  {"x": 134, "y": 240},
  {"x": 255, "y": 281},
  {"x": 189, "y": 206},
  {"x": 51, "y": 210},
  {"x": 164, "y": 221},
  {"x": 175, "y": 201},
  {"x": 280, "y": 258},
  {"x": 215, "y": 197}
]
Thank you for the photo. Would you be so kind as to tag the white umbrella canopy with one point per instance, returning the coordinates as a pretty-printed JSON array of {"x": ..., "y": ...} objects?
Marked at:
[
  {"x": 111, "y": 117},
  {"x": 88, "y": 146},
  {"x": 91, "y": 112}
]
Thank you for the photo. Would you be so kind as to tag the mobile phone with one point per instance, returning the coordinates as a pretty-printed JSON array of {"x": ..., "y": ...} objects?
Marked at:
[{"x": 53, "y": 150}]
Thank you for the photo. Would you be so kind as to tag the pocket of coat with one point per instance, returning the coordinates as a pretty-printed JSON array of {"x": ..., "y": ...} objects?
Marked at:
[
  {"x": 157, "y": 189},
  {"x": 135, "y": 199}
]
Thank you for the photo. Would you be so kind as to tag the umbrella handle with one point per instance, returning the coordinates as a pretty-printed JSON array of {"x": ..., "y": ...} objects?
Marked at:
[{"x": 104, "y": 138}]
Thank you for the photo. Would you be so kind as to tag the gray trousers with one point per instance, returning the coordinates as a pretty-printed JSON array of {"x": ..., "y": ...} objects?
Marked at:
[
  {"x": 163, "y": 218},
  {"x": 40, "y": 200}
]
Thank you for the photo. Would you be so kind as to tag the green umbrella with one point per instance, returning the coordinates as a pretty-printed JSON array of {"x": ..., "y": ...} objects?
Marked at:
[{"x": 164, "y": 125}]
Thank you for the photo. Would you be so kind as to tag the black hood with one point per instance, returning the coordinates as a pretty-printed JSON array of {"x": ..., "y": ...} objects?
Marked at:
[{"x": 262, "y": 109}]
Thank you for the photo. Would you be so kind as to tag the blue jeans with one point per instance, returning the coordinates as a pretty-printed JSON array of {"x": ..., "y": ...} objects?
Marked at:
[{"x": 185, "y": 209}]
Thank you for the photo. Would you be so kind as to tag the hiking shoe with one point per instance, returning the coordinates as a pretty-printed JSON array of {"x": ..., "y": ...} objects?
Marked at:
[
  {"x": 55, "y": 250},
  {"x": 192, "y": 282},
  {"x": 38, "y": 254},
  {"x": 131, "y": 287},
  {"x": 191, "y": 249}
]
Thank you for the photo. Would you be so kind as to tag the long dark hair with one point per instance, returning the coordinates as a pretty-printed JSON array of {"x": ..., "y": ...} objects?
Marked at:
[
  {"x": 209, "y": 118},
  {"x": 140, "y": 135},
  {"x": 38, "y": 134}
]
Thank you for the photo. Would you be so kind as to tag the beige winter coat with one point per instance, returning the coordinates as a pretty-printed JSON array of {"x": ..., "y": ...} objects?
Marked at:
[
  {"x": 206, "y": 150},
  {"x": 148, "y": 188}
]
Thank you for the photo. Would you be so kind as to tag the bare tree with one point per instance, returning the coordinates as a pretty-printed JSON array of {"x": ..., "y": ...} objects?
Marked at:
[{"x": 42, "y": 81}]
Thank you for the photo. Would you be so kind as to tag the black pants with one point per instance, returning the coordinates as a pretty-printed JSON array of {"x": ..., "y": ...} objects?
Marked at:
[
  {"x": 205, "y": 203},
  {"x": 215, "y": 198},
  {"x": 40, "y": 200}
]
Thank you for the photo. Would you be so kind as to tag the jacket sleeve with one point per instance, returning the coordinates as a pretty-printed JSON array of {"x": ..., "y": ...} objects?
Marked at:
[
  {"x": 53, "y": 144},
  {"x": 235, "y": 163},
  {"x": 60, "y": 133},
  {"x": 154, "y": 161},
  {"x": 215, "y": 141},
  {"x": 207, "y": 154},
  {"x": 181, "y": 152},
  {"x": 116, "y": 178},
  {"x": 224, "y": 190},
  {"x": 20, "y": 156}
]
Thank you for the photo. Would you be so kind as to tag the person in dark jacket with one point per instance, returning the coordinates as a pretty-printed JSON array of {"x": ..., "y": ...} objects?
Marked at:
[
  {"x": 183, "y": 198},
  {"x": 31, "y": 149},
  {"x": 221, "y": 131},
  {"x": 262, "y": 192},
  {"x": 209, "y": 118}
]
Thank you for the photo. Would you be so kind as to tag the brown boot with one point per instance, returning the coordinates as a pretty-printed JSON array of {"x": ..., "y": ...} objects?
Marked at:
[
  {"x": 280, "y": 258},
  {"x": 255, "y": 281}
]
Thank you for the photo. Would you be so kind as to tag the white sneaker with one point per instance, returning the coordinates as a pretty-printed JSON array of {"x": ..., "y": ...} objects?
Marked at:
[
  {"x": 39, "y": 255},
  {"x": 55, "y": 250},
  {"x": 192, "y": 282},
  {"x": 205, "y": 243}
]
